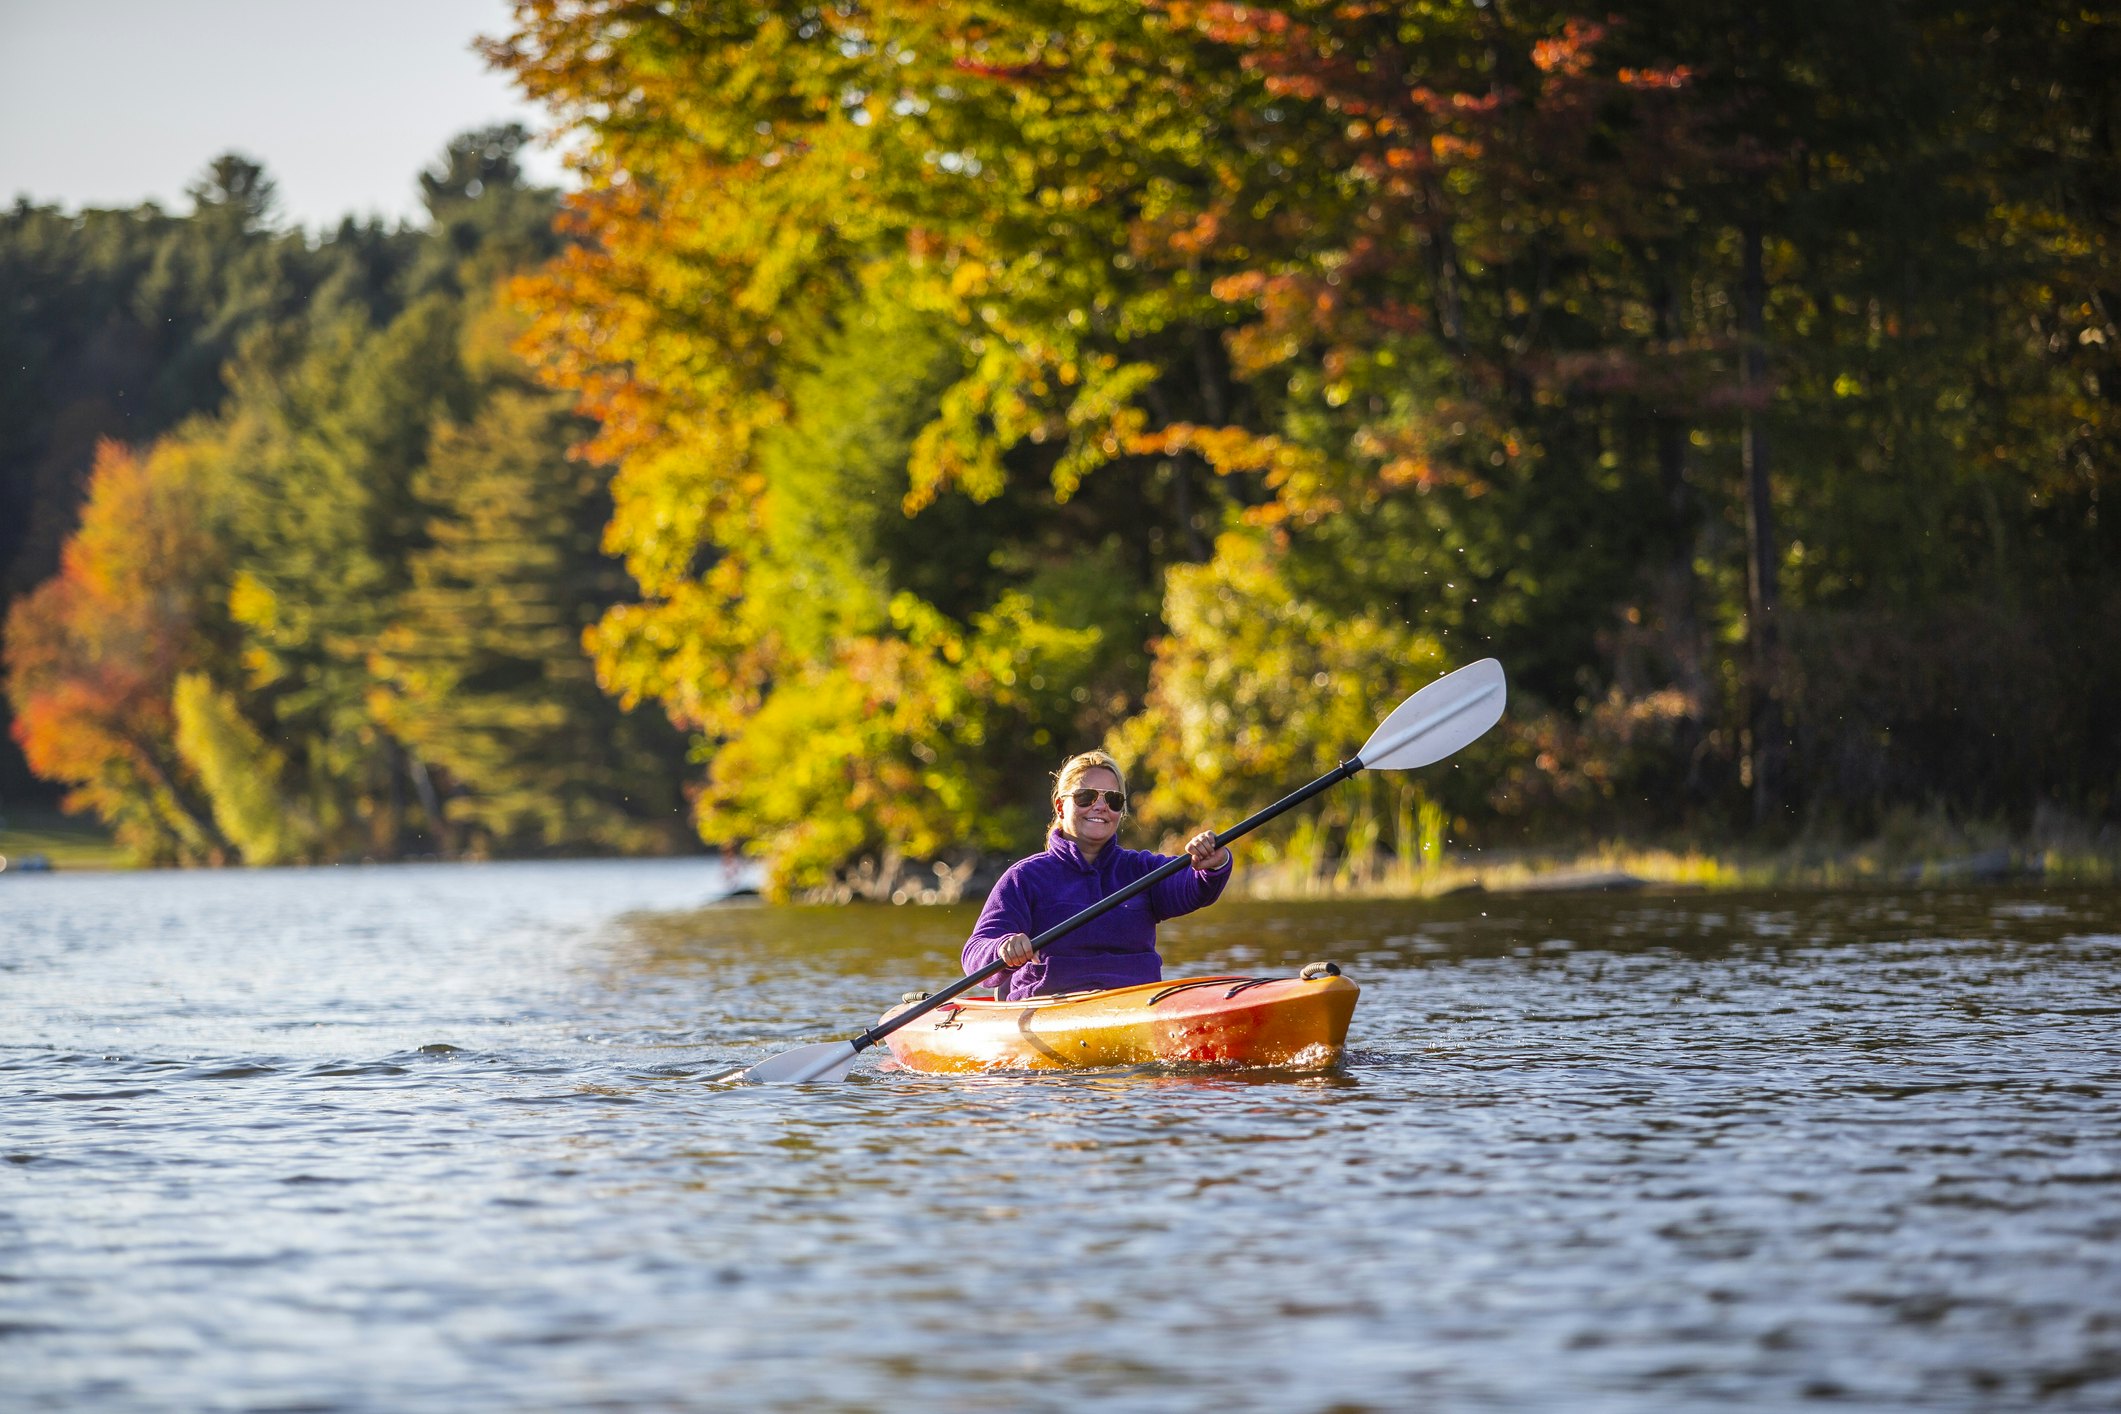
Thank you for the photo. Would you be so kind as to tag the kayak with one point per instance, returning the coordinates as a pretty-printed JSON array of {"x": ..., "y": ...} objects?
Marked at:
[{"x": 1291, "y": 1023}]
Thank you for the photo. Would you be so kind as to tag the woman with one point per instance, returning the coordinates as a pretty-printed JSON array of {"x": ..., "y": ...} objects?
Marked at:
[{"x": 1082, "y": 865}]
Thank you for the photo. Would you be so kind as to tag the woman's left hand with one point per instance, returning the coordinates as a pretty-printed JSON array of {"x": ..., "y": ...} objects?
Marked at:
[{"x": 1206, "y": 853}]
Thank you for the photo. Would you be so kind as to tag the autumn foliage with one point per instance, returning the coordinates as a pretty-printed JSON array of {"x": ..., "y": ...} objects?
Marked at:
[
  {"x": 960, "y": 385},
  {"x": 94, "y": 654},
  {"x": 1352, "y": 340}
]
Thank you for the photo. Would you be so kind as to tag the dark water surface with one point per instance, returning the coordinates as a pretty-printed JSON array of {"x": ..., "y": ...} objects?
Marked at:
[{"x": 434, "y": 1139}]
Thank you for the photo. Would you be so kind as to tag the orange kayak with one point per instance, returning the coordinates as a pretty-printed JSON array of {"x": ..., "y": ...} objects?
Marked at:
[{"x": 1293, "y": 1023}]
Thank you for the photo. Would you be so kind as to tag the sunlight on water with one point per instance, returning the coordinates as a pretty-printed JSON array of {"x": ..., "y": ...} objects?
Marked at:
[{"x": 436, "y": 1138}]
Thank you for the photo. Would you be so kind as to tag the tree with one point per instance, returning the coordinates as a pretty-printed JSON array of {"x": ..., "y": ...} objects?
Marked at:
[
  {"x": 737, "y": 225},
  {"x": 480, "y": 671},
  {"x": 94, "y": 653},
  {"x": 234, "y": 193},
  {"x": 241, "y": 775}
]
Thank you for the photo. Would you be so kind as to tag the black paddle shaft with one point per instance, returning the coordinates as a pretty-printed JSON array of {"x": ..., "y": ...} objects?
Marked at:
[{"x": 1155, "y": 876}]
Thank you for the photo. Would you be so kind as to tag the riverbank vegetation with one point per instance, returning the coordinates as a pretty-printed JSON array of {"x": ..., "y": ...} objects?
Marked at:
[
  {"x": 960, "y": 386},
  {"x": 1928, "y": 849}
]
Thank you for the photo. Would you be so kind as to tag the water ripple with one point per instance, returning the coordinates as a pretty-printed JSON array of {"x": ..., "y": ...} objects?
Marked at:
[{"x": 436, "y": 1139}]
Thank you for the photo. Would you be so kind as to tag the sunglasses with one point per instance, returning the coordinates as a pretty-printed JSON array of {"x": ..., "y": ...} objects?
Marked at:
[{"x": 1084, "y": 798}]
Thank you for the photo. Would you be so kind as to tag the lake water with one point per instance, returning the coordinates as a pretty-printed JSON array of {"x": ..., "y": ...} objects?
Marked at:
[{"x": 435, "y": 1139}]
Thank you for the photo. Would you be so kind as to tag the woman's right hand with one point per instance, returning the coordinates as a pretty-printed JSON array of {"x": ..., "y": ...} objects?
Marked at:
[{"x": 1016, "y": 950}]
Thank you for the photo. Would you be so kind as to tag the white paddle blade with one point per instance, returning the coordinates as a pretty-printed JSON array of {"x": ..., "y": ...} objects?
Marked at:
[
  {"x": 1449, "y": 714},
  {"x": 827, "y": 1060}
]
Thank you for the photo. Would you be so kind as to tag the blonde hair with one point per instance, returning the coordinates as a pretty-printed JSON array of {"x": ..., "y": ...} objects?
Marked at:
[{"x": 1072, "y": 771}]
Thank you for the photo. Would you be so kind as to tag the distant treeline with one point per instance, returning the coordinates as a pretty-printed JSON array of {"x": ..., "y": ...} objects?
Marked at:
[
  {"x": 981, "y": 383},
  {"x": 298, "y": 560}
]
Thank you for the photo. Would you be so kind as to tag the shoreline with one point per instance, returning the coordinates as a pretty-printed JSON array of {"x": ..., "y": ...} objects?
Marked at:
[
  {"x": 1620, "y": 867},
  {"x": 40, "y": 841}
]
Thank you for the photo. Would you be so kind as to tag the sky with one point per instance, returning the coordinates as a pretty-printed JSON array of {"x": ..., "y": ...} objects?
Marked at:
[{"x": 116, "y": 102}]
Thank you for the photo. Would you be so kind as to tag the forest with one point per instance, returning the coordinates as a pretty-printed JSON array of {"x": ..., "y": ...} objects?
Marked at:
[
  {"x": 912, "y": 394},
  {"x": 299, "y": 560}
]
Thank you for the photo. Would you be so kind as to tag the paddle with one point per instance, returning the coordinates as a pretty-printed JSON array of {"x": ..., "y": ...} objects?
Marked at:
[{"x": 1435, "y": 722}]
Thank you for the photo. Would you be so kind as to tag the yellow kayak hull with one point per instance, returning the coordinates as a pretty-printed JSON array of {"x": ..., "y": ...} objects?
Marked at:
[{"x": 1289, "y": 1023}]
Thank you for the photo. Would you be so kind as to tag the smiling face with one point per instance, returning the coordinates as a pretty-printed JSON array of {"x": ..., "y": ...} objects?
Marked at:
[{"x": 1091, "y": 826}]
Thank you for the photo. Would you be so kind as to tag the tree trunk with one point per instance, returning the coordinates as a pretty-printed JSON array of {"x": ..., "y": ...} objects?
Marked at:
[
  {"x": 1770, "y": 746},
  {"x": 430, "y": 807},
  {"x": 198, "y": 817}
]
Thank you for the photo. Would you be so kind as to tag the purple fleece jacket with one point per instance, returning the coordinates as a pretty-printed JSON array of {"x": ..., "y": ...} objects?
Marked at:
[{"x": 1117, "y": 949}]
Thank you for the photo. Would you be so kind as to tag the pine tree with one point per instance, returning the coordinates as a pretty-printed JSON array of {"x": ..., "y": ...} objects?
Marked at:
[{"x": 481, "y": 672}]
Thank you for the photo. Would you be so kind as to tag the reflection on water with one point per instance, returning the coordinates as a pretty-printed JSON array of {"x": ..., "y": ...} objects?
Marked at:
[{"x": 435, "y": 1138}]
